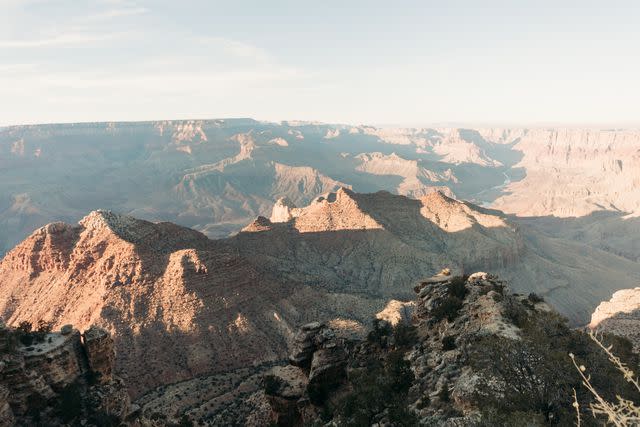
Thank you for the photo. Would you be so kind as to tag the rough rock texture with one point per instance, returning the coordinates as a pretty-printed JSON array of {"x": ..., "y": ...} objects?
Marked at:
[
  {"x": 408, "y": 238},
  {"x": 98, "y": 345},
  {"x": 158, "y": 287},
  {"x": 575, "y": 191},
  {"x": 284, "y": 387},
  {"x": 476, "y": 355},
  {"x": 620, "y": 316},
  {"x": 318, "y": 361},
  {"x": 217, "y": 175},
  {"x": 379, "y": 243},
  {"x": 572, "y": 172},
  {"x": 35, "y": 380},
  {"x": 7, "y": 417}
]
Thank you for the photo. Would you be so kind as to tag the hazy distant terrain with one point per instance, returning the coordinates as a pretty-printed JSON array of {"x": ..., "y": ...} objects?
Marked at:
[
  {"x": 573, "y": 192},
  {"x": 217, "y": 175}
]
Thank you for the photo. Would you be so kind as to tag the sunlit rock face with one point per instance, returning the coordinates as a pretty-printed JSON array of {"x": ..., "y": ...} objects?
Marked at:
[
  {"x": 573, "y": 172},
  {"x": 620, "y": 315}
]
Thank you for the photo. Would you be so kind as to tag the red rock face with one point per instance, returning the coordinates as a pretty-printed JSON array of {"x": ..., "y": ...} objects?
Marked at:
[{"x": 177, "y": 303}]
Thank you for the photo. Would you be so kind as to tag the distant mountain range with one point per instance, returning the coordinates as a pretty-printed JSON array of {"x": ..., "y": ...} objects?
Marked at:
[{"x": 217, "y": 175}]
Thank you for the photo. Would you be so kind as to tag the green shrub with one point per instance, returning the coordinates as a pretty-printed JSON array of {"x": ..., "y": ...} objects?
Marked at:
[
  {"x": 271, "y": 385},
  {"x": 70, "y": 403},
  {"x": 536, "y": 376},
  {"x": 443, "y": 394},
  {"x": 42, "y": 330},
  {"x": 24, "y": 334},
  {"x": 185, "y": 422},
  {"x": 515, "y": 312},
  {"x": 379, "y": 387}
]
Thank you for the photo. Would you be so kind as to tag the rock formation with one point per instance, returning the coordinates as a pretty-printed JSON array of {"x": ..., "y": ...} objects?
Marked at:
[
  {"x": 47, "y": 378},
  {"x": 476, "y": 354},
  {"x": 318, "y": 362},
  {"x": 98, "y": 345},
  {"x": 216, "y": 175},
  {"x": 620, "y": 316},
  {"x": 379, "y": 243},
  {"x": 157, "y": 287}
]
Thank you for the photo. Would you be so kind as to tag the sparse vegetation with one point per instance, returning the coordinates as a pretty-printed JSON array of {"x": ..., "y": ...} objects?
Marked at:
[
  {"x": 379, "y": 383},
  {"x": 27, "y": 336},
  {"x": 623, "y": 412},
  {"x": 447, "y": 309},
  {"x": 449, "y": 306},
  {"x": 535, "y": 298},
  {"x": 535, "y": 376},
  {"x": 271, "y": 385},
  {"x": 457, "y": 287},
  {"x": 70, "y": 404},
  {"x": 448, "y": 343},
  {"x": 380, "y": 331},
  {"x": 404, "y": 335},
  {"x": 381, "y": 386}
]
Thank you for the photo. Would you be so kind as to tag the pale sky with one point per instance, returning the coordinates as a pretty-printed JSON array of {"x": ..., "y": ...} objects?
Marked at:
[{"x": 375, "y": 62}]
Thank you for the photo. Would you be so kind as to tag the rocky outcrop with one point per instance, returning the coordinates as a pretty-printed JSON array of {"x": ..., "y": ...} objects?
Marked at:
[
  {"x": 283, "y": 210},
  {"x": 571, "y": 172},
  {"x": 620, "y": 316},
  {"x": 49, "y": 377},
  {"x": 477, "y": 354},
  {"x": 333, "y": 240},
  {"x": 98, "y": 345},
  {"x": 318, "y": 362},
  {"x": 285, "y": 387},
  {"x": 7, "y": 417},
  {"x": 155, "y": 288}
]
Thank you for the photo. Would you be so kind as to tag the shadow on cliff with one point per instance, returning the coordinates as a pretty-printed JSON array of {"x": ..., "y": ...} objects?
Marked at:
[{"x": 610, "y": 231}]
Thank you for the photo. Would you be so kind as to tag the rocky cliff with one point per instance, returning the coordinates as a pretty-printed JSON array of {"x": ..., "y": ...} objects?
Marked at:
[
  {"x": 378, "y": 243},
  {"x": 216, "y": 175},
  {"x": 157, "y": 288},
  {"x": 47, "y": 378},
  {"x": 475, "y": 354},
  {"x": 620, "y": 315},
  {"x": 572, "y": 172}
]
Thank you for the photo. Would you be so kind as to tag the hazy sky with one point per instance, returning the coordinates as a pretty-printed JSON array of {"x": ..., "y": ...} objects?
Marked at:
[{"x": 377, "y": 62}]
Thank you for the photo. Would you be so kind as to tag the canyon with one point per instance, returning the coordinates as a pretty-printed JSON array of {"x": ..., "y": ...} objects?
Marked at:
[
  {"x": 202, "y": 246},
  {"x": 235, "y": 302}
]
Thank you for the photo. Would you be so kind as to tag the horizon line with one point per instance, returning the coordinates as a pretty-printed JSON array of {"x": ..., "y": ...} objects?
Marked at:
[{"x": 409, "y": 125}]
